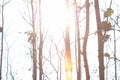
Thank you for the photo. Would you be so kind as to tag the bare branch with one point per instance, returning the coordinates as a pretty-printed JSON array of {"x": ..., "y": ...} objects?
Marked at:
[
  {"x": 27, "y": 21},
  {"x": 4, "y": 4}
]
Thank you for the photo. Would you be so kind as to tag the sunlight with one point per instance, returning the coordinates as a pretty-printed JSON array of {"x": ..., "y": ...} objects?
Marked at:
[
  {"x": 55, "y": 19},
  {"x": 69, "y": 75},
  {"x": 54, "y": 15},
  {"x": 68, "y": 67}
]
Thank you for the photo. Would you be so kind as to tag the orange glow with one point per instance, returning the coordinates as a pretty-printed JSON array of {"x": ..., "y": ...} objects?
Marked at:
[
  {"x": 68, "y": 68},
  {"x": 69, "y": 75},
  {"x": 69, "y": 71},
  {"x": 55, "y": 17}
]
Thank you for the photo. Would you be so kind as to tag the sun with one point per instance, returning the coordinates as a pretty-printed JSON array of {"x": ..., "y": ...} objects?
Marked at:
[{"x": 54, "y": 15}]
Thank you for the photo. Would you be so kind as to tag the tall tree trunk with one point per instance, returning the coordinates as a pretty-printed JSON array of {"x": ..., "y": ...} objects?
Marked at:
[
  {"x": 60, "y": 70},
  {"x": 1, "y": 56},
  {"x": 79, "y": 55},
  {"x": 78, "y": 42},
  {"x": 68, "y": 61},
  {"x": 85, "y": 42},
  {"x": 100, "y": 42},
  {"x": 34, "y": 44},
  {"x": 40, "y": 44},
  {"x": 115, "y": 62}
]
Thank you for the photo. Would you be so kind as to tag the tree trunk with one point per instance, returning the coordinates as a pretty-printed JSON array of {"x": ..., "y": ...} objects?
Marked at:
[
  {"x": 1, "y": 56},
  {"x": 34, "y": 44},
  {"x": 40, "y": 44},
  {"x": 68, "y": 61},
  {"x": 78, "y": 42},
  {"x": 79, "y": 55},
  {"x": 85, "y": 42},
  {"x": 100, "y": 42}
]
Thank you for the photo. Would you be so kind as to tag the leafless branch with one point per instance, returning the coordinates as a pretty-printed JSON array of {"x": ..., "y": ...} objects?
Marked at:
[
  {"x": 4, "y": 4},
  {"x": 27, "y": 21}
]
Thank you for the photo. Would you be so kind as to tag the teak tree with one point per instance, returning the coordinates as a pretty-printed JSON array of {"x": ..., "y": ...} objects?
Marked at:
[
  {"x": 34, "y": 42},
  {"x": 77, "y": 34},
  {"x": 68, "y": 60},
  {"x": 40, "y": 44},
  {"x": 85, "y": 41},
  {"x": 100, "y": 41}
]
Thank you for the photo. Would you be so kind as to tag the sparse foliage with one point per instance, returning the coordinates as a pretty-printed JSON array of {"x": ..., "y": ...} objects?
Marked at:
[{"x": 108, "y": 12}]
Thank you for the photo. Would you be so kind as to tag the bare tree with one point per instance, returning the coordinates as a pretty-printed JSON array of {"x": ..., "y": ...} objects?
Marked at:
[
  {"x": 1, "y": 57},
  {"x": 78, "y": 41},
  {"x": 4, "y": 3},
  {"x": 85, "y": 42}
]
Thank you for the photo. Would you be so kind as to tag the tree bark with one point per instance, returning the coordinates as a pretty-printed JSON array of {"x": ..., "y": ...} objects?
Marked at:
[
  {"x": 34, "y": 44},
  {"x": 78, "y": 42},
  {"x": 40, "y": 44},
  {"x": 85, "y": 42},
  {"x": 100, "y": 42},
  {"x": 1, "y": 56}
]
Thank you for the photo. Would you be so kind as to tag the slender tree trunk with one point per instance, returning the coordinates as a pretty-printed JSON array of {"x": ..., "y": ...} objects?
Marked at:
[
  {"x": 40, "y": 44},
  {"x": 79, "y": 55},
  {"x": 115, "y": 62},
  {"x": 1, "y": 56},
  {"x": 7, "y": 72},
  {"x": 34, "y": 44},
  {"x": 100, "y": 42},
  {"x": 85, "y": 42},
  {"x": 60, "y": 69},
  {"x": 68, "y": 56},
  {"x": 68, "y": 61},
  {"x": 78, "y": 42}
]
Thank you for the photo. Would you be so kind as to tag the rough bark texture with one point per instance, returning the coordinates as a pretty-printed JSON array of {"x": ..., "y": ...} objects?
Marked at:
[{"x": 100, "y": 42}]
